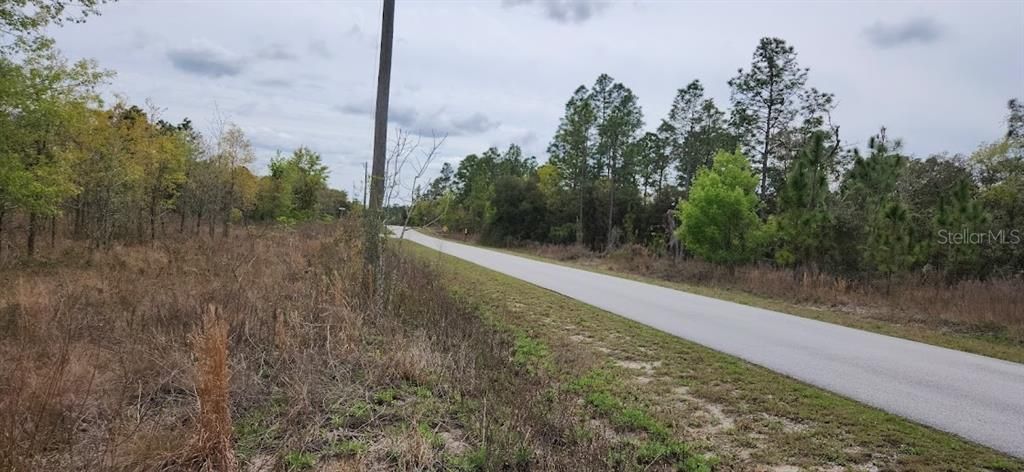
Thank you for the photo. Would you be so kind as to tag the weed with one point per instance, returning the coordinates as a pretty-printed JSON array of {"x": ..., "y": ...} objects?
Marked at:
[
  {"x": 299, "y": 460},
  {"x": 346, "y": 448},
  {"x": 473, "y": 460},
  {"x": 530, "y": 353},
  {"x": 385, "y": 397}
]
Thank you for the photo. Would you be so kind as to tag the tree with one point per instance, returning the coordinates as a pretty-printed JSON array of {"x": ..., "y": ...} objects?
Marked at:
[
  {"x": 868, "y": 188},
  {"x": 805, "y": 222},
  {"x": 653, "y": 159},
  {"x": 719, "y": 219},
  {"x": 767, "y": 100},
  {"x": 233, "y": 152},
  {"x": 891, "y": 247},
  {"x": 999, "y": 168},
  {"x": 708, "y": 136},
  {"x": 960, "y": 214},
  {"x": 618, "y": 119},
  {"x": 311, "y": 180},
  {"x": 296, "y": 188},
  {"x": 570, "y": 150},
  {"x": 519, "y": 211},
  {"x": 21, "y": 21},
  {"x": 44, "y": 101},
  {"x": 476, "y": 175},
  {"x": 443, "y": 183},
  {"x": 694, "y": 130}
]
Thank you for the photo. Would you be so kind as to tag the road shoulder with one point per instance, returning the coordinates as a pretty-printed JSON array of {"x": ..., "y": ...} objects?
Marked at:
[{"x": 746, "y": 417}]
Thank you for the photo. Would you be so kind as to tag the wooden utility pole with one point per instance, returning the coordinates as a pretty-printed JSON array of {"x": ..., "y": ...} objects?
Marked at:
[
  {"x": 380, "y": 137},
  {"x": 366, "y": 182}
]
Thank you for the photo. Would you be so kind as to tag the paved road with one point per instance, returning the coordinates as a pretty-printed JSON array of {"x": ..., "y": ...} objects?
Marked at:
[{"x": 976, "y": 397}]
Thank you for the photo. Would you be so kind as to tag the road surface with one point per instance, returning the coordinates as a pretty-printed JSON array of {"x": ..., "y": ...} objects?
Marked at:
[{"x": 976, "y": 397}]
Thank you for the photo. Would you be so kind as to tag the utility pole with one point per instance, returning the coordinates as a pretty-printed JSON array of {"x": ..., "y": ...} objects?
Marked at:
[
  {"x": 366, "y": 183},
  {"x": 380, "y": 135}
]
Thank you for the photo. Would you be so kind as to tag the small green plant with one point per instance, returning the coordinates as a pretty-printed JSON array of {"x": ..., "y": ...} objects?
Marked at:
[
  {"x": 473, "y": 460},
  {"x": 523, "y": 456},
  {"x": 422, "y": 392},
  {"x": 299, "y": 460},
  {"x": 530, "y": 353},
  {"x": 346, "y": 448},
  {"x": 385, "y": 397},
  {"x": 430, "y": 436}
]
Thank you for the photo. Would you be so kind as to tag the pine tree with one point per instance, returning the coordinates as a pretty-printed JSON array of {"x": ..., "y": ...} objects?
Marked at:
[
  {"x": 805, "y": 222},
  {"x": 891, "y": 246},
  {"x": 767, "y": 101},
  {"x": 962, "y": 222},
  {"x": 571, "y": 148}
]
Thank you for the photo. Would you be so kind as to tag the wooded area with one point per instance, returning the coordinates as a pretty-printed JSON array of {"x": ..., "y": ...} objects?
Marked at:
[
  {"x": 770, "y": 179},
  {"x": 71, "y": 165}
]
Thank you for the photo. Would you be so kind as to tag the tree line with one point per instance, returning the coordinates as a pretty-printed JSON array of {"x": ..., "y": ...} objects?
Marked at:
[
  {"x": 769, "y": 179},
  {"x": 70, "y": 164}
]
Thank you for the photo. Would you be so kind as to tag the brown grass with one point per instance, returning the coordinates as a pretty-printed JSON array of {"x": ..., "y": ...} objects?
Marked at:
[
  {"x": 114, "y": 361},
  {"x": 990, "y": 307},
  {"x": 212, "y": 445}
]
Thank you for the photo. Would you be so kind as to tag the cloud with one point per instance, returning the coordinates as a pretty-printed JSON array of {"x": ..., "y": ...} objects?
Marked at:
[
  {"x": 474, "y": 124},
  {"x": 356, "y": 108},
  {"x": 426, "y": 124},
  {"x": 274, "y": 83},
  {"x": 206, "y": 59},
  {"x": 915, "y": 30},
  {"x": 564, "y": 11},
  {"x": 318, "y": 47},
  {"x": 276, "y": 52}
]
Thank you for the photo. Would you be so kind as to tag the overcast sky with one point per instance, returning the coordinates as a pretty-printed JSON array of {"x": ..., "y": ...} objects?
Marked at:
[{"x": 492, "y": 73}]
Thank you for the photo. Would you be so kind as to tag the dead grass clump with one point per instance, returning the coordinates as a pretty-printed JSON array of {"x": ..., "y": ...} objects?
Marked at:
[
  {"x": 414, "y": 361},
  {"x": 212, "y": 447}
]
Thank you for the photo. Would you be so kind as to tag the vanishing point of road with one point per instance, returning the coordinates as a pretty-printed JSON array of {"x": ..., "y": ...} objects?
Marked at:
[{"x": 975, "y": 397}]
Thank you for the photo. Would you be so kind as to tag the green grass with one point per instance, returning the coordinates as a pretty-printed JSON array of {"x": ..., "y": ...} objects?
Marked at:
[
  {"x": 346, "y": 448},
  {"x": 295, "y": 461},
  {"x": 773, "y": 420},
  {"x": 530, "y": 353}
]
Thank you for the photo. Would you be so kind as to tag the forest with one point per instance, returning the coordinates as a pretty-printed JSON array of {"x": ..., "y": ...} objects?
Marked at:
[
  {"x": 72, "y": 165},
  {"x": 769, "y": 179}
]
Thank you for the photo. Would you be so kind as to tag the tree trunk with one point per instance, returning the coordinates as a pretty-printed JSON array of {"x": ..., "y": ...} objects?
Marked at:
[
  {"x": 140, "y": 234},
  {"x": 2, "y": 214},
  {"x": 181, "y": 224},
  {"x": 764, "y": 155},
  {"x": 579, "y": 217},
  {"x": 31, "y": 240},
  {"x": 53, "y": 230},
  {"x": 611, "y": 202},
  {"x": 152, "y": 218}
]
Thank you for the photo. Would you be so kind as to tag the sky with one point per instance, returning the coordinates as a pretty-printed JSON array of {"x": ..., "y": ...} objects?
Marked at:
[{"x": 491, "y": 73}]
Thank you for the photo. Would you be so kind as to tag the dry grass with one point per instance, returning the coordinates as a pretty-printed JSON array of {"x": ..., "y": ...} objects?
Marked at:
[
  {"x": 116, "y": 361},
  {"x": 213, "y": 448},
  {"x": 991, "y": 307}
]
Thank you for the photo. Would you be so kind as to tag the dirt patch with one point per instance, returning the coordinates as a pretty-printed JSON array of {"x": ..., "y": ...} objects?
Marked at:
[
  {"x": 579, "y": 338},
  {"x": 787, "y": 425},
  {"x": 645, "y": 366},
  {"x": 453, "y": 443}
]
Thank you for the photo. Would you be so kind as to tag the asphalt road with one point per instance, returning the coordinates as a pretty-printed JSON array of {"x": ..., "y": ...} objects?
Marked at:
[{"x": 976, "y": 397}]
